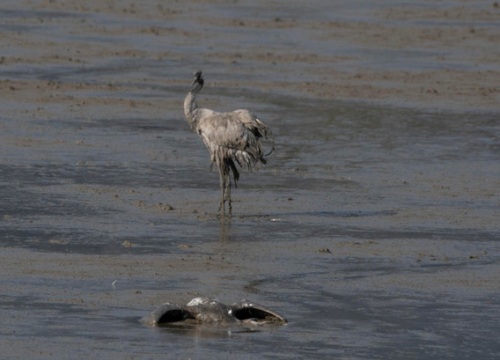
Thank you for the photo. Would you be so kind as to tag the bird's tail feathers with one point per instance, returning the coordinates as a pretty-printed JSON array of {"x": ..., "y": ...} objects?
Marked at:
[
  {"x": 270, "y": 151},
  {"x": 267, "y": 134},
  {"x": 236, "y": 174}
]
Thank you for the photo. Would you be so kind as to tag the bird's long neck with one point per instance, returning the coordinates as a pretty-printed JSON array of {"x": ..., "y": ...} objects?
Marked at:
[{"x": 190, "y": 105}]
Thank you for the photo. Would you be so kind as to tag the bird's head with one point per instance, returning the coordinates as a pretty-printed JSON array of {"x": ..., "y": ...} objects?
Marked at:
[{"x": 198, "y": 80}]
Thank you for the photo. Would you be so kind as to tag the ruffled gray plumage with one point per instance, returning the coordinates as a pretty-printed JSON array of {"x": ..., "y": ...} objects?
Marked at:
[{"x": 230, "y": 137}]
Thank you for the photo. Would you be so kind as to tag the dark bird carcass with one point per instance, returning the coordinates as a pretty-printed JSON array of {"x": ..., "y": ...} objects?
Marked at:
[{"x": 203, "y": 310}]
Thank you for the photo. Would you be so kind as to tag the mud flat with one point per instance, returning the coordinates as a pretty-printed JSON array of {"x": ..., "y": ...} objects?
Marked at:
[{"x": 373, "y": 229}]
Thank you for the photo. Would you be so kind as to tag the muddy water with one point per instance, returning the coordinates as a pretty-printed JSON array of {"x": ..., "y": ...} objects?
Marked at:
[{"x": 373, "y": 229}]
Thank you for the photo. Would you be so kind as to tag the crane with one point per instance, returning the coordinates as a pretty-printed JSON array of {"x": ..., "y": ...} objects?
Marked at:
[{"x": 230, "y": 137}]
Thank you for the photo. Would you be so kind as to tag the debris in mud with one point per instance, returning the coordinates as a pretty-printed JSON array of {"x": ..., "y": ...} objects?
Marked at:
[
  {"x": 164, "y": 207},
  {"x": 203, "y": 310},
  {"x": 127, "y": 244}
]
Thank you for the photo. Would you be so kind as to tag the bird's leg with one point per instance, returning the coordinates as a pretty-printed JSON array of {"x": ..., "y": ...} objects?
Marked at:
[
  {"x": 222, "y": 206},
  {"x": 225, "y": 189},
  {"x": 228, "y": 191}
]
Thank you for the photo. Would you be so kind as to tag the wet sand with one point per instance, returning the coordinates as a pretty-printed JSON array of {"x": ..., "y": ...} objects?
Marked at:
[
  {"x": 373, "y": 229},
  {"x": 433, "y": 57}
]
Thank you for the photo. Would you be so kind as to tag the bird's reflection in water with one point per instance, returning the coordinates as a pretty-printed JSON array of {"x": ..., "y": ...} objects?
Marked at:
[
  {"x": 207, "y": 332},
  {"x": 225, "y": 229}
]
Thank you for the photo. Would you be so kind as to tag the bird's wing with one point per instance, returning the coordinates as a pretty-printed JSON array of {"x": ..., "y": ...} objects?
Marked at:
[
  {"x": 167, "y": 313},
  {"x": 257, "y": 314},
  {"x": 252, "y": 123},
  {"x": 257, "y": 128},
  {"x": 235, "y": 135}
]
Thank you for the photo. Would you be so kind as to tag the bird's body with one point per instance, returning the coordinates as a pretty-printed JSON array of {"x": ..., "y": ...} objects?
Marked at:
[
  {"x": 231, "y": 138},
  {"x": 207, "y": 311}
]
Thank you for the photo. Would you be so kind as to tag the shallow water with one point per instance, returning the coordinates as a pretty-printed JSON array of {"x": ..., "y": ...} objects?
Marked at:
[{"x": 373, "y": 230}]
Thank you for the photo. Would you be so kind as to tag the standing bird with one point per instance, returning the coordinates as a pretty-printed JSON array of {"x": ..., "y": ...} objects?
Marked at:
[{"x": 232, "y": 137}]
